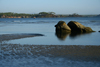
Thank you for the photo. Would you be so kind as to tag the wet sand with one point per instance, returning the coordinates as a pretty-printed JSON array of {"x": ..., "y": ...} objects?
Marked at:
[
  {"x": 6, "y": 37},
  {"x": 73, "y": 52}
]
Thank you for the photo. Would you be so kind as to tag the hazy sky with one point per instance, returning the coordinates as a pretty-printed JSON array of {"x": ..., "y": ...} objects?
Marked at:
[{"x": 57, "y": 6}]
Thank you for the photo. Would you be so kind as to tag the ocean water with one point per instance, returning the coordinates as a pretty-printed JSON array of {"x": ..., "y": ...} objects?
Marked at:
[
  {"x": 50, "y": 50},
  {"x": 46, "y": 27}
]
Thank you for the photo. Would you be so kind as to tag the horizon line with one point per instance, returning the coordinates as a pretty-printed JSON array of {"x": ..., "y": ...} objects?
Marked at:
[{"x": 45, "y": 11}]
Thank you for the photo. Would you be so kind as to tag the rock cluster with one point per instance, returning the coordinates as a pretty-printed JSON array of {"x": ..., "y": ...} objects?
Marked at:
[{"x": 72, "y": 26}]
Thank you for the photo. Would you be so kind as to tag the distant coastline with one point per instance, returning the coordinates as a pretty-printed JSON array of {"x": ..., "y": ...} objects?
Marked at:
[{"x": 41, "y": 15}]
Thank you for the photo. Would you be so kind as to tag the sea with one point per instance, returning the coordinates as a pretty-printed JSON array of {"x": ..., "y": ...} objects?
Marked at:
[{"x": 51, "y": 49}]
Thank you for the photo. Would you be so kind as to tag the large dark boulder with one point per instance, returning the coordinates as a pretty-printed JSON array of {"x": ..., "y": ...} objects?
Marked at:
[
  {"x": 78, "y": 27},
  {"x": 87, "y": 29},
  {"x": 61, "y": 25}
]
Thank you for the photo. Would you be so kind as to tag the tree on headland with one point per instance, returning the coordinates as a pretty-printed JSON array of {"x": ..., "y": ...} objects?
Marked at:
[
  {"x": 43, "y": 13},
  {"x": 75, "y": 15},
  {"x": 53, "y": 13},
  {"x": 47, "y": 13}
]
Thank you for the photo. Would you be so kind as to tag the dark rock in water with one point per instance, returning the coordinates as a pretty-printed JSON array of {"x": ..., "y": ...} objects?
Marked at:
[
  {"x": 62, "y": 30},
  {"x": 73, "y": 29},
  {"x": 98, "y": 31},
  {"x": 78, "y": 27},
  {"x": 75, "y": 26},
  {"x": 62, "y": 25}
]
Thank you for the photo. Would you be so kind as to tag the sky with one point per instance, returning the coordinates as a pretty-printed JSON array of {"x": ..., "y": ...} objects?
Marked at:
[{"x": 57, "y": 6}]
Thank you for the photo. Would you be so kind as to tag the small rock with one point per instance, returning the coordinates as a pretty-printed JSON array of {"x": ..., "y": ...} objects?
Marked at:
[{"x": 62, "y": 25}]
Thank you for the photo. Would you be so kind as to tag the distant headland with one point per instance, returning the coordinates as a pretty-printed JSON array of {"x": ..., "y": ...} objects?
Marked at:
[{"x": 41, "y": 15}]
